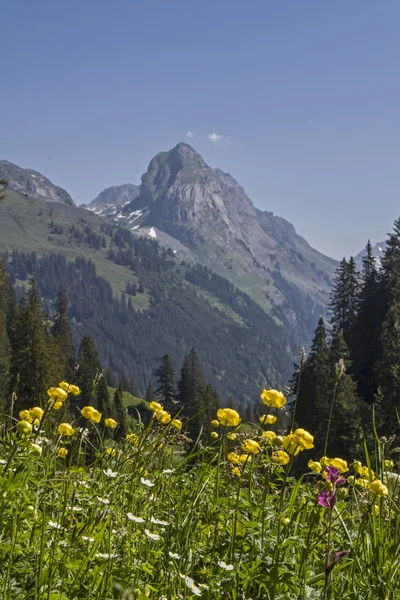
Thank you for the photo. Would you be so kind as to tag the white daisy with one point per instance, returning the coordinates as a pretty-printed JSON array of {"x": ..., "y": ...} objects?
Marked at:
[
  {"x": 110, "y": 473},
  {"x": 158, "y": 522},
  {"x": 174, "y": 555},
  {"x": 87, "y": 539},
  {"x": 147, "y": 482},
  {"x": 103, "y": 500},
  {"x": 132, "y": 517},
  {"x": 223, "y": 565},
  {"x": 106, "y": 556},
  {"x": 54, "y": 525},
  {"x": 152, "y": 536},
  {"x": 191, "y": 585}
]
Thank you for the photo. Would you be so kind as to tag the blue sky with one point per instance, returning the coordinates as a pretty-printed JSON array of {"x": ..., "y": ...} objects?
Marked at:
[{"x": 305, "y": 94}]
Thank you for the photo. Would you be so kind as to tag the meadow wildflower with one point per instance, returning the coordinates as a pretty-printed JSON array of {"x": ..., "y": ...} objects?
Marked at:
[
  {"x": 155, "y": 406},
  {"x": 285, "y": 520},
  {"x": 268, "y": 435},
  {"x": 132, "y": 438},
  {"x": 224, "y": 566},
  {"x": 388, "y": 464},
  {"x": 174, "y": 555},
  {"x": 273, "y": 398},
  {"x": 132, "y": 517},
  {"x": 147, "y": 482},
  {"x": 228, "y": 417},
  {"x": 176, "y": 423},
  {"x": 281, "y": 457},
  {"x": 314, "y": 466},
  {"x": 376, "y": 509},
  {"x": 251, "y": 446},
  {"x": 91, "y": 414},
  {"x": 62, "y": 452},
  {"x": 158, "y": 522},
  {"x": 57, "y": 405},
  {"x": 57, "y": 394},
  {"x": 110, "y": 473},
  {"x": 110, "y": 423},
  {"x": 232, "y": 436},
  {"x": 214, "y": 435},
  {"x": 233, "y": 458},
  {"x": 339, "y": 464},
  {"x": 36, "y": 412},
  {"x": 378, "y": 488},
  {"x": 245, "y": 458},
  {"x": 267, "y": 419},
  {"x": 36, "y": 449},
  {"x": 163, "y": 416},
  {"x": 191, "y": 585},
  {"x": 152, "y": 536},
  {"x": 215, "y": 423},
  {"x": 236, "y": 471},
  {"x": 65, "y": 429}
]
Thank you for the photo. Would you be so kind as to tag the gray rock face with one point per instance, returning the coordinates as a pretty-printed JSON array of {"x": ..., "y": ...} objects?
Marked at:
[
  {"x": 207, "y": 210},
  {"x": 33, "y": 184},
  {"x": 113, "y": 198}
]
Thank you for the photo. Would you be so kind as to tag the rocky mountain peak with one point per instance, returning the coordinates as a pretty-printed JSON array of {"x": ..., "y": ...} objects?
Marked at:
[{"x": 33, "y": 184}]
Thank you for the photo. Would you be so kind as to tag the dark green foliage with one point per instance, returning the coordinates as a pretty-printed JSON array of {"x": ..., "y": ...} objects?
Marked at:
[
  {"x": 129, "y": 385},
  {"x": 90, "y": 378},
  {"x": 62, "y": 334},
  {"x": 344, "y": 299},
  {"x": 150, "y": 394},
  {"x": 193, "y": 397},
  {"x": 5, "y": 346},
  {"x": 32, "y": 363},
  {"x": 166, "y": 384}
]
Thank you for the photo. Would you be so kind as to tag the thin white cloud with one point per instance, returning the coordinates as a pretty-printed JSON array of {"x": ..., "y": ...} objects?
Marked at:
[
  {"x": 216, "y": 138},
  {"x": 190, "y": 134}
]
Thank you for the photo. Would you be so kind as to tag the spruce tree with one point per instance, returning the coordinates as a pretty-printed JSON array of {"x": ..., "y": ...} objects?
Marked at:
[
  {"x": 366, "y": 341},
  {"x": 345, "y": 298},
  {"x": 313, "y": 393},
  {"x": 62, "y": 334},
  {"x": 32, "y": 362},
  {"x": 150, "y": 395},
  {"x": 389, "y": 373},
  {"x": 90, "y": 378},
  {"x": 192, "y": 394},
  {"x": 345, "y": 432},
  {"x": 166, "y": 388},
  {"x": 5, "y": 346}
]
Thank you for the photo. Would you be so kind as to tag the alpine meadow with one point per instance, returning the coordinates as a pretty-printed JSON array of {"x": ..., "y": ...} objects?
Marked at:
[{"x": 198, "y": 398}]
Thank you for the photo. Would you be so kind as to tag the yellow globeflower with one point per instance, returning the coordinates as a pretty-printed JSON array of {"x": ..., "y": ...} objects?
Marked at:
[
  {"x": 305, "y": 439},
  {"x": 110, "y": 423},
  {"x": 291, "y": 444},
  {"x": 314, "y": 466},
  {"x": 62, "y": 452},
  {"x": 64, "y": 385},
  {"x": 229, "y": 417},
  {"x": 377, "y": 487},
  {"x": 74, "y": 390},
  {"x": 376, "y": 509},
  {"x": 267, "y": 419},
  {"x": 278, "y": 440},
  {"x": 24, "y": 427},
  {"x": 236, "y": 471},
  {"x": 281, "y": 457},
  {"x": 251, "y": 446},
  {"x": 36, "y": 412},
  {"x": 389, "y": 464},
  {"x": 269, "y": 435},
  {"x": 91, "y": 414},
  {"x": 66, "y": 429},
  {"x": 214, "y": 435},
  {"x": 325, "y": 461},
  {"x": 156, "y": 406},
  {"x": 176, "y": 423},
  {"x": 233, "y": 458},
  {"x": 25, "y": 415},
  {"x": 57, "y": 393},
  {"x": 163, "y": 416},
  {"x": 111, "y": 451},
  {"x": 132, "y": 438},
  {"x": 57, "y": 405},
  {"x": 215, "y": 423},
  {"x": 245, "y": 458},
  {"x": 232, "y": 436},
  {"x": 340, "y": 464},
  {"x": 285, "y": 520},
  {"x": 273, "y": 398}
]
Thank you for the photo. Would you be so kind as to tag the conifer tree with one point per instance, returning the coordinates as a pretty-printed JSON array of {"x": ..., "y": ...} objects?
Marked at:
[
  {"x": 130, "y": 385},
  {"x": 344, "y": 299},
  {"x": 313, "y": 394},
  {"x": 5, "y": 347},
  {"x": 62, "y": 334},
  {"x": 389, "y": 373},
  {"x": 90, "y": 377},
  {"x": 166, "y": 379},
  {"x": 31, "y": 358},
  {"x": 150, "y": 395},
  {"x": 191, "y": 393},
  {"x": 120, "y": 413},
  {"x": 366, "y": 342},
  {"x": 345, "y": 432}
]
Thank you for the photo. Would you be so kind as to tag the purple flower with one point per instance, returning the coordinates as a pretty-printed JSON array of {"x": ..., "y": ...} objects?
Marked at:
[
  {"x": 338, "y": 556},
  {"x": 327, "y": 499},
  {"x": 333, "y": 475}
]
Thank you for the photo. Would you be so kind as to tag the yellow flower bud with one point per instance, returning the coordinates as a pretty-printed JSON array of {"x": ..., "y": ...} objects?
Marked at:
[
  {"x": 176, "y": 423},
  {"x": 214, "y": 434},
  {"x": 110, "y": 423},
  {"x": 66, "y": 429},
  {"x": 215, "y": 423},
  {"x": 36, "y": 412},
  {"x": 267, "y": 419},
  {"x": 251, "y": 446},
  {"x": 273, "y": 398},
  {"x": 62, "y": 452},
  {"x": 24, "y": 427}
]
